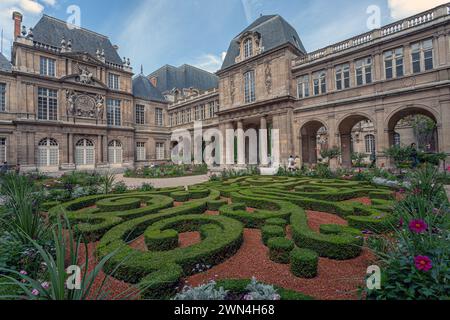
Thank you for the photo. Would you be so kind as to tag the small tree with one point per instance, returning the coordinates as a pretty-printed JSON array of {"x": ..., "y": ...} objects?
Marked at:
[{"x": 331, "y": 154}]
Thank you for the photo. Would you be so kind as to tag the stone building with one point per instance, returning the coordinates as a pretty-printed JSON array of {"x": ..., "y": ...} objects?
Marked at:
[
  {"x": 68, "y": 101},
  {"x": 373, "y": 80}
]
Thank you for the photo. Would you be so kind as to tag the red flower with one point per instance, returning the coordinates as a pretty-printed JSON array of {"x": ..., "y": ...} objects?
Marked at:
[
  {"x": 423, "y": 263},
  {"x": 401, "y": 223},
  {"x": 416, "y": 191},
  {"x": 418, "y": 226}
]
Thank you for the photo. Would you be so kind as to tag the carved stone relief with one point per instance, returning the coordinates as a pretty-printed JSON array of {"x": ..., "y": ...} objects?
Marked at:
[{"x": 84, "y": 105}]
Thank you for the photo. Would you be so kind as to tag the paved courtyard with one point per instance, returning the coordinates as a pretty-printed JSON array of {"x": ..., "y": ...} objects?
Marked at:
[{"x": 164, "y": 183}]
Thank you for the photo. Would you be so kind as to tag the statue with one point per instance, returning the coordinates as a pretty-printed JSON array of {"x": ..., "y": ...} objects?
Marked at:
[
  {"x": 85, "y": 76},
  {"x": 268, "y": 74},
  {"x": 70, "y": 96},
  {"x": 99, "y": 104}
]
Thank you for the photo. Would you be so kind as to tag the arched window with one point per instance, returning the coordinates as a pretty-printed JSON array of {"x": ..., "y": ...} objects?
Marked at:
[
  {"x": 115, "y": 152},
  {"x": 248, "y": 48},
  {"x": 396, "y": 139},
  {"x": 370, "y": 143},
  {"x": 85, "y": 153},
  {"x": 48, "y": 153}
]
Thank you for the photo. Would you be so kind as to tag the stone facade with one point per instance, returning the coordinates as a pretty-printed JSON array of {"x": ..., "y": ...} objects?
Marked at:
[
  {"x": 68, "y": 110},
  {"x": 420, "y": 84}
]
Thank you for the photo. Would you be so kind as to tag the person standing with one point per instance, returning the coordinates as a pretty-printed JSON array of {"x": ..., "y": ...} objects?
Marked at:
[{"x": 291, "y": 163}]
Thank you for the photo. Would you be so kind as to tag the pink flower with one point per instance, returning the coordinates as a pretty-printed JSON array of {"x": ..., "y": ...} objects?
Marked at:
[
  {"x": 423, "y": 263},
  {"x": 418, "y": 226},
  {"x": 23, "y": 272},
  {"x": 35, "y": 292},
  {"x": 45, "y": 285},
  {"x": 416, "y": 191},
  {"x": 401, "y": 223},
  {"x": 448, "y": 169}
]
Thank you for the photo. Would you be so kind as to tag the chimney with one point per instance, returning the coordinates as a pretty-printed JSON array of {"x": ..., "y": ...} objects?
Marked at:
[{"x": 17, "y": 17}]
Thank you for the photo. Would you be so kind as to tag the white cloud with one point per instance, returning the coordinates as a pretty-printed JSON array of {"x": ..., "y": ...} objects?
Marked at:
[
  {"x": 252, "y": 9},
  {"x": 210, "y": 62},
  {"x": 405, "y": 8},
  {"x": 31, "y": 9}
]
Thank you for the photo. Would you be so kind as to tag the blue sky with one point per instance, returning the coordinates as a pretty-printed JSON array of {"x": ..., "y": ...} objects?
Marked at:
[{"x": 158, "y": 32}]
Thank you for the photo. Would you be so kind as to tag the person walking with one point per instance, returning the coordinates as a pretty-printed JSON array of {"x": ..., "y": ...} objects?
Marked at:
[{"x": 291, "y": 163}]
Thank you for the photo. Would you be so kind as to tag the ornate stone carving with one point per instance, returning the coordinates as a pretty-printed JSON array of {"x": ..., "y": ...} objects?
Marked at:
[
  {"x": 268, "y": 76},
  {"x": 85, "y": 76},
  {"x": 84, "y": 105},
  {"x": 232, "y": 89}
]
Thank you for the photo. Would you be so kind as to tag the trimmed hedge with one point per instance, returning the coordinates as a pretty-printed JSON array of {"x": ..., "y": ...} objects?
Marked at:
[
  {"x": 157, "y": 240},
  {"x": 215, "y": 205},
  {"x": 277, "y": 222},
  {"x": 180, "y": 196},
  {"x": 280, "y": 249},
  {"x": 270, "y": 231},
  {"x": 222, "y": 237},
  {"x": 304, "y": 263},
  {"x": 340, "y": 243}
]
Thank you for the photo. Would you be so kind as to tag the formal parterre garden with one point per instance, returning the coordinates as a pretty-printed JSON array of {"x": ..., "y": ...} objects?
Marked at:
[{"x": 244, "y": 238}]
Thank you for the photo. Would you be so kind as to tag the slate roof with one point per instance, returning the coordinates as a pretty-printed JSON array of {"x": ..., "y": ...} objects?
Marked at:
[
  {"x": 274, "y": 30},
  {"x": 184, "y": 77},
  {"x": 50, "y": 31},
  {"x": 144, "y": 89},
  {"x": 5, "y": 65}
]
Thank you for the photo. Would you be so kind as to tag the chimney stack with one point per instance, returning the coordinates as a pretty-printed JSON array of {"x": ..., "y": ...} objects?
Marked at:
[{"x": 17, "y": 17}]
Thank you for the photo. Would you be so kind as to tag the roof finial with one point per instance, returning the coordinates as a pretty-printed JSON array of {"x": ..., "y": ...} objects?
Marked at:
[{"x": 142, "y": 69}]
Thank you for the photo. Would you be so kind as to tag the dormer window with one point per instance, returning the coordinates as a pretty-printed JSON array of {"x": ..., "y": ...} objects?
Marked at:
[{"x": 248, "y": 48}]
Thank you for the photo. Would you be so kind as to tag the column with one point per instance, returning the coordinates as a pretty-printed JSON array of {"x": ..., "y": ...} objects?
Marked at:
[
  {"x": 241, "y": 143},
  {"x": 263, "y": 145},
  {"x": 70, "y": 148},
  {"x": 104, "y": 147},
  {"x": 346, "y": 140},
  {"x": 98, "y": 150}
]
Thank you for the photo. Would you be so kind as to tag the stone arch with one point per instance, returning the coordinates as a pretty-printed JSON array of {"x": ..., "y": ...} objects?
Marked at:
[
  {"x": 417, "y": 109},
  {"x": 345, "y": 128},
  {"x": 308, "y": 139}
]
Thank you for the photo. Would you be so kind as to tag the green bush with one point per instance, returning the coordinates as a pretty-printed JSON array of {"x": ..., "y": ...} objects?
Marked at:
[
  {"x": 277, "y": 222},
  {"x": 180, "y": 196},
  {"x": 157, "y": 240},
  {"x": 280, "y": 249},
  {"x": 269, "y": 232},
  {"x": 304, "y": 263}
]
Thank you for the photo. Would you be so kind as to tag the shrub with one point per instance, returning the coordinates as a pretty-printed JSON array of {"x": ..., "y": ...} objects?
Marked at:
[
  {"x": 157, "y": 240},
  {"x": 180, "y": 196},
  {"x": 277, "y": 222},
  {"x": 204, "y": 292},
  {"x": 120, "y": 187},
  {"x": 269, "y": 232},
  {"x": 280, "y": 249},
  {"x": 304, "y": 263},
  {"x": 215, "y": 205}
]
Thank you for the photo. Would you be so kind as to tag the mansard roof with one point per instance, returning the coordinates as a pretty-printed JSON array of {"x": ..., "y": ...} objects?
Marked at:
[
  {"x": 5, "y": 65},
  {"x": 184, "y": 77},
  {"x": 144, "y": 89},
  {"x": 51, "y": 31},
  {"x": 274, "y": 31}
]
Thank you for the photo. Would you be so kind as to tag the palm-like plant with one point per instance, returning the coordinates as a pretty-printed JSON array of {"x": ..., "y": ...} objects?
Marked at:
[
  {"x": 108, "y": 180},
  {"x": 22, "y": 203},
  {"x": 67, "y": 254}
]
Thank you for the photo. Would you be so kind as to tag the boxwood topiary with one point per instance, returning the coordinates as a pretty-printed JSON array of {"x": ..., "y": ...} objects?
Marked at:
[
  {"x": 304, "y": 263},
  {"x": 157, "y": 240},
  {"x": 280, "y": 249},
  {"x": 180, "y": 196},
  {"x": 269, "y": 232}
]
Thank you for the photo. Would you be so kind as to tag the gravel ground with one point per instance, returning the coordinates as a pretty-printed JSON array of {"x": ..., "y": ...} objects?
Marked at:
[{"x": 163, "y": 183}]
